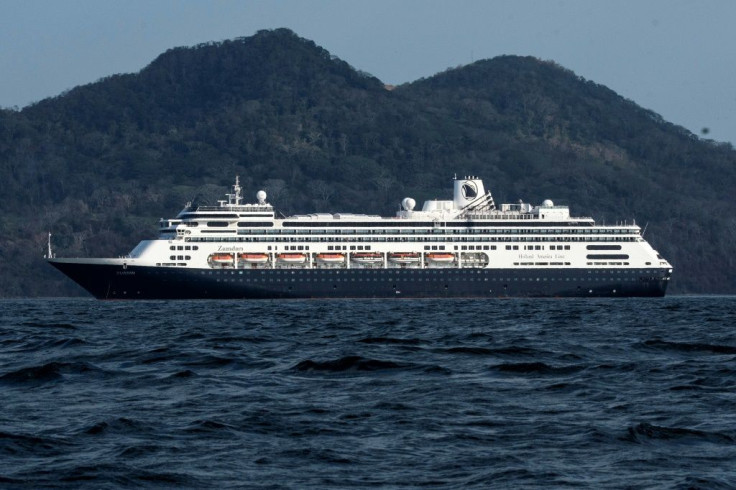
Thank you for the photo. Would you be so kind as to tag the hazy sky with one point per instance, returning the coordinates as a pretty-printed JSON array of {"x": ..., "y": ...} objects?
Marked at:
[{"x": 675, "y": 57}]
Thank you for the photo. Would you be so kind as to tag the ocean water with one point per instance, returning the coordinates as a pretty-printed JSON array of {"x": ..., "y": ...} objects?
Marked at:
[{"x": 593, "y": 393}]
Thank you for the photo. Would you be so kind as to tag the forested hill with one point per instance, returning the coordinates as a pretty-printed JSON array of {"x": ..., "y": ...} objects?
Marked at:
[{"x": 99, "y": 164}]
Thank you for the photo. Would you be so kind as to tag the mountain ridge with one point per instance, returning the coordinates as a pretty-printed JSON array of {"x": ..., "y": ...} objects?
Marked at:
[{"x": 99, "y": 164}]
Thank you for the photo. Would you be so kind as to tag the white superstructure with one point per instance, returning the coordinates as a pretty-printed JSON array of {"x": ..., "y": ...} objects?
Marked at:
[{"x": 468, "y": 231}]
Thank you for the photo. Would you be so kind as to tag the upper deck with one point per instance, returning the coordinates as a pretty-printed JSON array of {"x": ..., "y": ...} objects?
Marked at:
[{"x": 471, "y": 206}]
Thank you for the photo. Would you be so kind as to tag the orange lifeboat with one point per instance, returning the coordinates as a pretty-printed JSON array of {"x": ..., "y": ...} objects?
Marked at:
[
  {"x": 292, "y": 258},
  {"x": 253, "y": 258},
  {"x": 404, "y": 257},
  {"x": 367, "y": 257},
  {"x": 441, "y": 258},
  {"x": 331, "y": 258},
  {"x": 222, "y": 259}
]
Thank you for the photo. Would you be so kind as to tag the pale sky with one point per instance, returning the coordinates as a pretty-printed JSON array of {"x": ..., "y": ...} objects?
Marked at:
[{"x": 675, "y": 57}]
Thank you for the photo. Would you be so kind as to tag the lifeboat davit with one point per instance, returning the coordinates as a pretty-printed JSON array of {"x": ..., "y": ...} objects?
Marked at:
[
  {"x": 253, "y": 258},
  {"x": 222, "y": 259},
  {"x": 367, "y": 257},
  {"x": 292, "y": 258},
  {"x": 440, "y": 258},
  {"x": 331, "y": 258},
  {"x": 404, "y": 257}
]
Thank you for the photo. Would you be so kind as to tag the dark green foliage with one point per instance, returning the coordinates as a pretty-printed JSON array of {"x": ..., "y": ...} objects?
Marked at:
[{"x": 101, "y": 163}]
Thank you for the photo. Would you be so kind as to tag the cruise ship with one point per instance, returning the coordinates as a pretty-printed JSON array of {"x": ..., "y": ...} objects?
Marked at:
[{"x": 464, "y": 247}]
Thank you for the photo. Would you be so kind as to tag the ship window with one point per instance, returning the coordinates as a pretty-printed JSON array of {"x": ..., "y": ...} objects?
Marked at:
[
  {"x": 172, "y": 247},
  {"x": 217, "y": 224},
  {"x": 173, "y": 257}
]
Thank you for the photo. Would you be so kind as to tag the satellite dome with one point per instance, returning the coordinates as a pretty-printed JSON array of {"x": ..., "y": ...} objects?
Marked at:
[
  {"x": 408, "y": 203},
  {"x": 261, "y": 196},
  {"x": 547, "y": 203}
]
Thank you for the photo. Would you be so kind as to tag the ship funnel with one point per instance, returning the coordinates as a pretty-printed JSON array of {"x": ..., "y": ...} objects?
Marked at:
[{"x": 468, "y": 190}]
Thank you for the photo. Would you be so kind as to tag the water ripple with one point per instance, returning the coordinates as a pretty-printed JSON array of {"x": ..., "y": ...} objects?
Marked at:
[{"x": 600, "y": 393}]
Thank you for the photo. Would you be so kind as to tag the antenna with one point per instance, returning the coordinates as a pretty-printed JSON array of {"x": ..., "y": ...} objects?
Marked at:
[
  {"x": 50, "y": 253},
  {"x": 237, "y": 189},
  {"x": 234, "y": 198},
  {"x": 644, "y": 230}
]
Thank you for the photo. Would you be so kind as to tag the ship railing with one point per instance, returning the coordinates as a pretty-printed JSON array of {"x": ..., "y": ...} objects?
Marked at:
[
  {"x": 227, "y": 207},
  {"x": 516, "y": 216}
]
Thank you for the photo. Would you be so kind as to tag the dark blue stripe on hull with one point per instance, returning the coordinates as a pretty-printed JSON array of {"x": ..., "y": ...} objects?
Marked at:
[{"x": 114, "y": 282}]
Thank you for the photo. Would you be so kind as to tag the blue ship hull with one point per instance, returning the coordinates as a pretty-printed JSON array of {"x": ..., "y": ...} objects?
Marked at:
[{"x": 135, "y": 282}]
